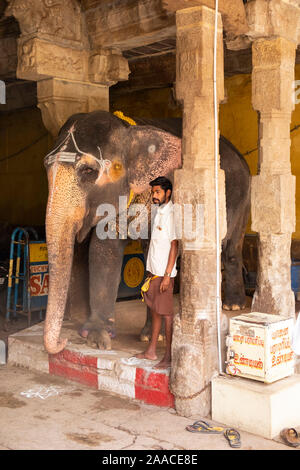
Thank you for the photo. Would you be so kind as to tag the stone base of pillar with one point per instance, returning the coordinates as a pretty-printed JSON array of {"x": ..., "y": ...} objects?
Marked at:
[
  {"x": 59, "y": 99},
  {"x": 273, "y": 294},
  {"x": 194, "y": 353}
]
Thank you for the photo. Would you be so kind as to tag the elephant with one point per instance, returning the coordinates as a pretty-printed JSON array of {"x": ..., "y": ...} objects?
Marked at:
[{"x": 97, "y": 158}]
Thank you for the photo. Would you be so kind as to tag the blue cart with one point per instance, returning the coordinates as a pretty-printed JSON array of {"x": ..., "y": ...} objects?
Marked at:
[{"x": 28, "y": 276}]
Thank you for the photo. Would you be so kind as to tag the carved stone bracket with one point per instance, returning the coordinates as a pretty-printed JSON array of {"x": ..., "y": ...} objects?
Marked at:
[
  {"x": 54, "y": 50},
  {"x": 108, "y": 67},
  {"x": 39, "y": 59},
  {"x": 271, "y": 18}
]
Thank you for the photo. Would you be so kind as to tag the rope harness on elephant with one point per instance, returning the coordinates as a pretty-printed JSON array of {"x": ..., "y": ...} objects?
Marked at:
[
  {"x": 61, "y": 156},
  {"x": 72, "y": 157}
]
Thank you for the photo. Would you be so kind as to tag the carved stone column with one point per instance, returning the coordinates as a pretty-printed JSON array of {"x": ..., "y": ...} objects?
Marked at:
[
  {"x": 54, "y": 50},
  {"x": 194, "y": 347},
  {"x": 274, "y": 29},
  {"x": 273, "y": 189}
]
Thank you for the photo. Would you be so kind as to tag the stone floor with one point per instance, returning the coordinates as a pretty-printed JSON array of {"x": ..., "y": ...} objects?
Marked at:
[{"x": 42, "y": 412}]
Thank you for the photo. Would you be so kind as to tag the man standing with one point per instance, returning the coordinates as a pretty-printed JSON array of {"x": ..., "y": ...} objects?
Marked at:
[{"x": 161, "y": 265}]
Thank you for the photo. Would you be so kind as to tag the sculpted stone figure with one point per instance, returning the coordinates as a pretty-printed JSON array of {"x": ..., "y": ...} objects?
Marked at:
[{"x": 96, "y": 159}]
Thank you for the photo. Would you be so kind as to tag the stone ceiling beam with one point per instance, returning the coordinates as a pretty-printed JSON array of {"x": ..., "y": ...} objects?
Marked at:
[{"x": 127, "y": 24}]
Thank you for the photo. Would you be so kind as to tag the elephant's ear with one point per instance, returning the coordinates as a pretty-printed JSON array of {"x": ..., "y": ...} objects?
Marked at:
[{"x": 151, "y": 152}]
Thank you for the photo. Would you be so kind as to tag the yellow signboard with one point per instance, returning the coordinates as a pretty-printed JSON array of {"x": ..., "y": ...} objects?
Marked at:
[{"x": 38, "y": 252}]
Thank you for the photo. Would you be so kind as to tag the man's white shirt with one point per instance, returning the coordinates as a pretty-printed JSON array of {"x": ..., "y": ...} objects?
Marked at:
[{"x": 163, "y": 233}]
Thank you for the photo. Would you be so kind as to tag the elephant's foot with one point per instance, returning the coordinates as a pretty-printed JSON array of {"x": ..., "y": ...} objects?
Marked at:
[
  {"x": 145, "y": 335},
  {"x": 101, "y": 339},
  {"x": 233, "y": 307},
  {"x": 97, "y": 336}
]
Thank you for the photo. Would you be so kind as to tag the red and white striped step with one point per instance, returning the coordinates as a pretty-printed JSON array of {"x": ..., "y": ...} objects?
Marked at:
[{"x": 115, "y": 371}]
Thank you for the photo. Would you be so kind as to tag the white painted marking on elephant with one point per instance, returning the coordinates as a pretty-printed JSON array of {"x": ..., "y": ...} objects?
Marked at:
[
  {"x": 42, "y": 392},
  {"x": 151, "y": 148},
  {"x": 2, "y": 353}
]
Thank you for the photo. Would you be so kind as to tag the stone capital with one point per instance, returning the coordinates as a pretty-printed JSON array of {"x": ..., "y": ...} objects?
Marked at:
[
  {"x": 233, "y": 13},
  {"x": 273, "y": 74},
  {"x": 274, "y": 18},
  {"x": 59, "y": 99},
  {"x": 59, "y": 20},
  {"x": 194, "y": 56}
]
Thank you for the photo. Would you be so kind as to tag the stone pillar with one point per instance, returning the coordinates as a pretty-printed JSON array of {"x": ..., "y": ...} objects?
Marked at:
[
  {"x": 273, "y": 189},
  {"x": 194, "y": 347},
  {"x": 54, "y": 51}
]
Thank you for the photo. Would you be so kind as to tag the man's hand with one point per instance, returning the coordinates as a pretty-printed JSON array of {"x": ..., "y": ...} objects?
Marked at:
[{"x": 164, "y": 284}]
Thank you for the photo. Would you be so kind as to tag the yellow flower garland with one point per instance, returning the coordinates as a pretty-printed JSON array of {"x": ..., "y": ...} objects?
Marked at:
[{"x": 120, "y": 115}]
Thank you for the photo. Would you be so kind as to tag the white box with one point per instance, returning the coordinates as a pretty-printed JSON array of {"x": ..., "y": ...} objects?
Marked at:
[{"x": 259, "y": 347}]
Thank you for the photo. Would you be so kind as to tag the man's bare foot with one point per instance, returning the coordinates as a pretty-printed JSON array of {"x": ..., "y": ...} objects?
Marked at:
[
  {"x": 146, "y": 355},
  {"x": 163, "y": 364}
]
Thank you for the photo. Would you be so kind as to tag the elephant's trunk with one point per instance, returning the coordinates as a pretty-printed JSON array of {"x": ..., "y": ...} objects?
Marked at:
[{"x": 63, "y": 219}]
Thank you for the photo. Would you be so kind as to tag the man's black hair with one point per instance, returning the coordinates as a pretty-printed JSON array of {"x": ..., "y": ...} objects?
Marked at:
[{"x": 163, "y": 182}]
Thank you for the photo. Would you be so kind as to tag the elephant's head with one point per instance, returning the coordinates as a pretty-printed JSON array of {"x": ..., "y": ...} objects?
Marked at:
[{"x": 96, "y": 159}]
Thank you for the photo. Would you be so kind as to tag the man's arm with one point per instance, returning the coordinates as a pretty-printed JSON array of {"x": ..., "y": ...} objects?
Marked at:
[{"x": 171, "y": 261}]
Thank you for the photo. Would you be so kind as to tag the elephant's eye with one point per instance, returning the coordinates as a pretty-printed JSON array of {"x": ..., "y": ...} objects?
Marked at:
[
  {"x": 85, "y": 170},
  {"x": 86, "y": 173}
]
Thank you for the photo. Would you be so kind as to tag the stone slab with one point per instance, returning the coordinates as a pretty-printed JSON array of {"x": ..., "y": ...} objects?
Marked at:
[{"x": 258, "y": 408}]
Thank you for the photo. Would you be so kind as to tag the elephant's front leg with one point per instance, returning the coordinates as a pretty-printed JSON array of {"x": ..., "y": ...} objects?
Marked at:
[
  {"x": 234, "y": 295},
  {"x": 105, "y": 262}
]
